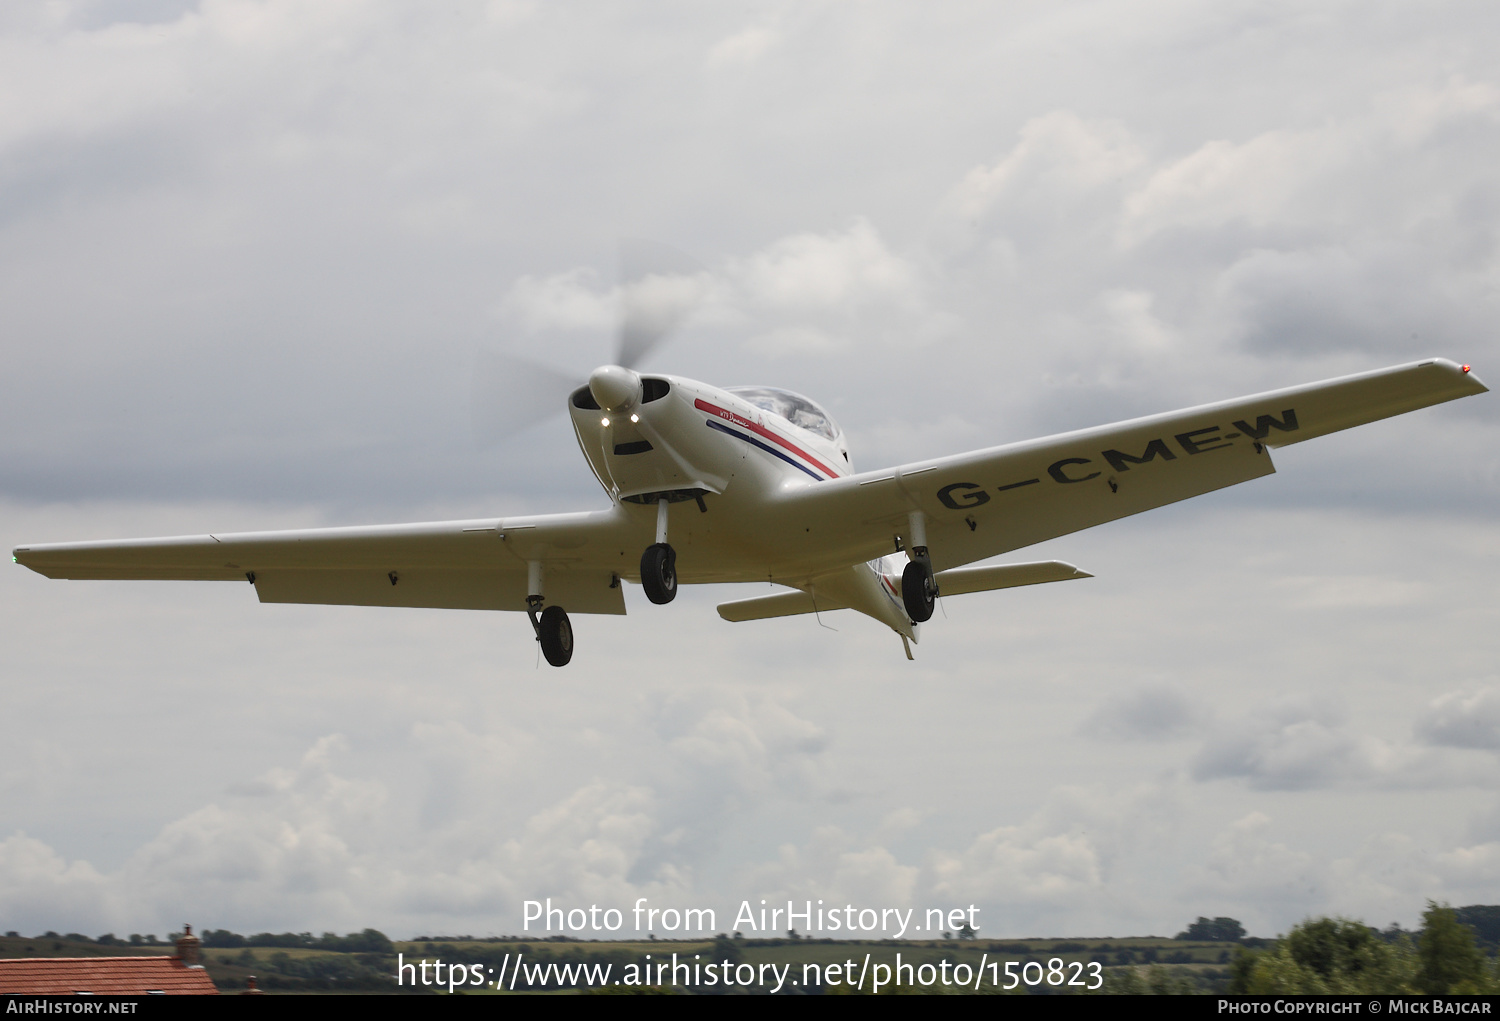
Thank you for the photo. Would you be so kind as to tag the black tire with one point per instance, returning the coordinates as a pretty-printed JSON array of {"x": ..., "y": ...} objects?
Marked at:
[
  {"x": 918, "y": 591},
  {"x": 659, "y": 573},
  {"x": 556, "y": 635}
]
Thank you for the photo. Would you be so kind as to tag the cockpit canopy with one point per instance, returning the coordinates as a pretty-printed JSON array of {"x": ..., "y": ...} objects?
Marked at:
[{"x": 793, "y": 407}]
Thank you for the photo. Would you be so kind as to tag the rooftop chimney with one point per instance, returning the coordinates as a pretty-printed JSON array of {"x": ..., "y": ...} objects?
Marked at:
[{"x": 187, "y": 947}]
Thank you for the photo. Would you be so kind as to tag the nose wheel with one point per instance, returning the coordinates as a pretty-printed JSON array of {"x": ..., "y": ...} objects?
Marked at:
[
  {"x": 659, "y": 562},
  {"x": 659, "y": 573}
]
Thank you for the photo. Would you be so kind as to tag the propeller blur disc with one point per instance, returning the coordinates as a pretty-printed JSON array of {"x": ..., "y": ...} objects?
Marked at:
[{"x": 659, "y": 288}]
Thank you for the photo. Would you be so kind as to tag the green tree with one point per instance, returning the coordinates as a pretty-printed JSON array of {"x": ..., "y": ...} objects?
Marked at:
[
  {"x": 725, "y": 950},
  {"x": 1242, "y": 970},
  {"x": 1217, "y": 930},
  {"x": 1484, "y": 919},
  {"x": 1329, "y": 956},
  {"x": 1449, "y": 960}
]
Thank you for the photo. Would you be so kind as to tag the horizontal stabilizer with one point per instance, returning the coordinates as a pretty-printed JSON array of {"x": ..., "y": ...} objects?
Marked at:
[
  {"x": 782, "y": 604},
  {"x": 982, "y": 579},
  {"x": 956, "y": 582}
]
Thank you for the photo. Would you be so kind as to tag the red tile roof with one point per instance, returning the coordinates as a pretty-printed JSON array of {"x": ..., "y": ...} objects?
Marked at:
[{"x": 102, "y": 976}]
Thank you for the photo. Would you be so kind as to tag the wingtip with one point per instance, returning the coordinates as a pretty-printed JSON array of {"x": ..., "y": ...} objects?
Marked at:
[{"x": 1465, "y": 371}]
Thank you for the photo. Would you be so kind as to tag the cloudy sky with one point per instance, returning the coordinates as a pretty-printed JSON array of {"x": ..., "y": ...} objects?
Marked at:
[{"x": 252, "y": 251}]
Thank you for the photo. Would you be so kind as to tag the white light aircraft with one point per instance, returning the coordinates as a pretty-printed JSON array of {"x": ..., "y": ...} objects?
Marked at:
[{"x": 755, "y": 484}]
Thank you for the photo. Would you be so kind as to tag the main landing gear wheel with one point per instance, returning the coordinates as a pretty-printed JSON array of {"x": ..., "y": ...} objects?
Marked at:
[
  {"x": 556, "y": 635},
  {"x": 918, "y": 591},
  {"x": 659, "y": 573}
]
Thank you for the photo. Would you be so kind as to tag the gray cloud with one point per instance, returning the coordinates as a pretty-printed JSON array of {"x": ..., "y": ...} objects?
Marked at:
[
  {"x": 1292, "y": 745},
  {"x": 1301, "y": 743},
  {"x": 1462, "y": 719},
  {"x": 237, "y": 272},
  {"x": 1151, "y": 713}
]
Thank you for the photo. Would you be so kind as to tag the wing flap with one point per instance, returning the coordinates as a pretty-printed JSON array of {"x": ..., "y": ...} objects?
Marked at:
[{"x": 576, "y": 591}]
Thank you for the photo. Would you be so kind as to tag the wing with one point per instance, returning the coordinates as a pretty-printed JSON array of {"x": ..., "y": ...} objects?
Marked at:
[
  {"x": 479, "y": 564},
  {"x": 989, "y": 502}
]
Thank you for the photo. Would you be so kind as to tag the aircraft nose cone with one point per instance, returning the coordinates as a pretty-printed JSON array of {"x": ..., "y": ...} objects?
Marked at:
[{"x": 615, "y": 387}]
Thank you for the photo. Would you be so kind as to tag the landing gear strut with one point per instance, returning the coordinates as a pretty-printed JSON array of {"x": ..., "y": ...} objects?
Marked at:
[
  {"x": 553, "y": 630},
  {"x": 659, "y": 563},
  {"x": 918, "y": 586}
]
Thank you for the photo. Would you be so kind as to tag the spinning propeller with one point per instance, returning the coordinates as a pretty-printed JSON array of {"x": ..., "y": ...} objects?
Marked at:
[{"x": 659, "y": 288}]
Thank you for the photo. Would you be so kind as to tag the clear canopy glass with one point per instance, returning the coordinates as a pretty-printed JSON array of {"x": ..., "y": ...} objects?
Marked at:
[{"x": 796, "y": 409}]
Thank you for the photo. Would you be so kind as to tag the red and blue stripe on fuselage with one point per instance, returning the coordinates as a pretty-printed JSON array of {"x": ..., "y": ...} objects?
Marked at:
[{"x": 788, "y": 451}]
